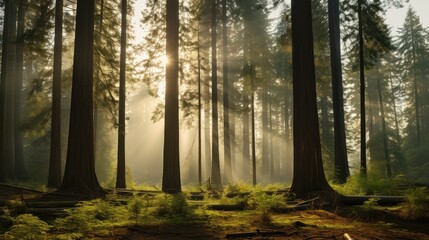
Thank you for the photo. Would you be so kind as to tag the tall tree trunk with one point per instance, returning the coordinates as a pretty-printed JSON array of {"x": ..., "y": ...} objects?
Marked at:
[
  {"x": 54, "y": 178},
  {"x": 200, "y": 178},
  {"x": 253, "y": 128},
  {"x": 3, "y": 85},
  {"x": 246, "y": 144},
  {"x": 19, "y": 144},
  {"x": 171, "y": 168},
  {"x": 383, "y": 126},
  {"x": 233, "y": 143},
  {"x": 226, "y": 90},
  {"x": 215, "y": 176},
  {"x": 341, "y": 162},
  {"x": 392, "y": 94},
  {"x": 308, "y": 175},
  {"x": 79, "y": 175},
  {"x": 265, "y": 135},
  {"x": 363, "y": 165},
  {"x": 9, "y": 105},
  {"x": 204, "y": 27},
  {"x": 271, "y": 154},
  {"x": 120, "y": 177}
]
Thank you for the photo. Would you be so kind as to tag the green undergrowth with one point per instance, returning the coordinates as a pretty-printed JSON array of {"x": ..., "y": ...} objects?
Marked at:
[
  {"x": 416, "y": 205},
  {"x": 259, "y": 206},
  {"x": 370, "y": 185}
]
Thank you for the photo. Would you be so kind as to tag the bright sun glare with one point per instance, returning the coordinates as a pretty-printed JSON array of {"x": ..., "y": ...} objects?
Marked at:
[{"x": 164, "y": 60}]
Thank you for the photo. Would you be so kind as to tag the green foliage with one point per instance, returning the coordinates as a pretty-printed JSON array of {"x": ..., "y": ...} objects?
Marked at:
[
  {"x": 264, "y": 202},
  {"x": 93, "y": 215},
  {"x": 134, "y": 207},
  {"x": 370, "y": 204},
  {"x": 238, "y": 188},
  {"x": 171, "y": 205},
  {"x": 16, "y": 207},
  {"x": 27, "y": 226},
  {"x": 370, "y": 185},
  {"x": 417, "y": 204}
]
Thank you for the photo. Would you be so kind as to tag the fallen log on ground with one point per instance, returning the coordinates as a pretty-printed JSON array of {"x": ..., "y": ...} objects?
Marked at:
[
  {"x": 226, "y": 207},
  {"x": 381, "y": 200},
  {"x": 51, "y": 204}
]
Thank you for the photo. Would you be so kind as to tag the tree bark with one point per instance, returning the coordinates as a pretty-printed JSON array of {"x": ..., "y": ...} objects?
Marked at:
[
  {"x": 120, "y": 177},
  {"x": 215, "y": 175},
  {"x": 340, "y": 160},
  {"x": 79, "y": 175},
  {"x": 309, "y": 176},
  {"x": 8, "y": 111},
  {"x": 171, "y": 168},
  {"x": 3, "y": 85},
  {"x": 363, "y": 165},
  {"x": 252, "y": 102},
  {"x": 246, "y": 140},
  {"x": 54, "y": 178},
  {"x": 265, "y": 135},
  {"x": 226, "y": 90},
  {"x": 19, "y": 144},
  {"x": 200, "y": 179}
]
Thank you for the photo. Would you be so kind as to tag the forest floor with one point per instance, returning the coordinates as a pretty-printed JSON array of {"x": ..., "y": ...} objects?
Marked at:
[
  {"x": 308, "y": 224},
  {"x": 341, "y": 222}
]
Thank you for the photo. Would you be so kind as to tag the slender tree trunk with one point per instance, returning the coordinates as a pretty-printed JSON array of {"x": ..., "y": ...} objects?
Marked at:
[
  {"x": 308, "y": 175},
  {"x": 200, "y": 179},
  {"x": 54, "y": 178},
  {"x": 79, "y": 175},
  {"x": 19, "y": 144},
  {"x": 232, "y": 136},
  {"x": 205, "y": 18},
  {"x": 171, "y": 168},
  {"x": 120, "y": 178},
  {"x": 253, "y": 130},
  {"x": 246, "y": 139},
  {"x": 271, "y": 155},
  {"x": 215, "y": 176},
  {"x": 265, "y": 135},
  {"x": 394, "y": 108},
  {"x": 363, "y": 165},
  {"x": 383, "y": 126},
  {"x": 341, "y": 162},
  {"x": 226, "y": 90}
]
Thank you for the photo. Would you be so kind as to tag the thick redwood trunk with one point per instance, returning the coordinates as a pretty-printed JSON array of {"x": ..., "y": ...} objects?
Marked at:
[
  {"x": 79, "y": 175},
  {"x": 171, "y": 168},
  {"x": 308, "y": 169}
]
